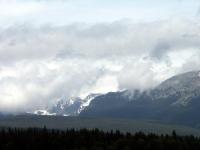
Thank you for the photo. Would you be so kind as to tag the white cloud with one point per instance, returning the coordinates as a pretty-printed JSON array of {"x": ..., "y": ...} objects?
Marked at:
[{"x": 38, "y": 65}]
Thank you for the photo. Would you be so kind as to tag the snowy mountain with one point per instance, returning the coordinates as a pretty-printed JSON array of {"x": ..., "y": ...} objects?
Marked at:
[
  {"x": 68, "y": 107},
  {"x": 86, "y": 102},
  {"x": 183, "y": 87},
  {"x": 176, "y": 100}
]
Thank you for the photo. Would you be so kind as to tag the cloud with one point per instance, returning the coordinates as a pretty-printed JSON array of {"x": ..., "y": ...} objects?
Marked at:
[{"x": 39, "y": 65}]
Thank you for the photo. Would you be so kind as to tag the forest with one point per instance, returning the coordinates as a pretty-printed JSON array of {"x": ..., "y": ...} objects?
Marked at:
[{"x": 94, "y": 139}]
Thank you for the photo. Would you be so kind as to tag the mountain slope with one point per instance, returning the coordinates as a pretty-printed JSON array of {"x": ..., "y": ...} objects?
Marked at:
[
  {"x": 184, "y": 86},
  {"x": 67, "y": 107},
  {"x": 176, "y": 100}
]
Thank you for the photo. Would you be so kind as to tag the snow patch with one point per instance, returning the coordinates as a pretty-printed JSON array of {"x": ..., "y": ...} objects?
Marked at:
[
  {"x": 87, "y": 102},
  {"x": 43, "y": 113}
]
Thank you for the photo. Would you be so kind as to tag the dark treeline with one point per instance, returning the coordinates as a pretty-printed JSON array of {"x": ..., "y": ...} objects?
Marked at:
[{"x": 42, "y": 139}]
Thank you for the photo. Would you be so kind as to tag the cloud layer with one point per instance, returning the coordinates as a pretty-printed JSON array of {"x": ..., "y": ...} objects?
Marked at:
[{"x": 39, "y": 65}]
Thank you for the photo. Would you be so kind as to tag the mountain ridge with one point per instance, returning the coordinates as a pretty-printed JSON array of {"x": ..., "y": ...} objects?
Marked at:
[
  {"x": 67, "y": 107},
  {"x": 177, "y": 99}
]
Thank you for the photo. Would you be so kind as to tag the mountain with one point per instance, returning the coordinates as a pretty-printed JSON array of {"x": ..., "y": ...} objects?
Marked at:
[
  {"x": 176, "y": 100},
  {"x": 184, "y": 87},
  {"x": 67, "y": 107}
]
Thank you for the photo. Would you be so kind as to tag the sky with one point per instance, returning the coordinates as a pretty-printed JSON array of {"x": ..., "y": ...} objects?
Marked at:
[{"x": 57, "y": 49}]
